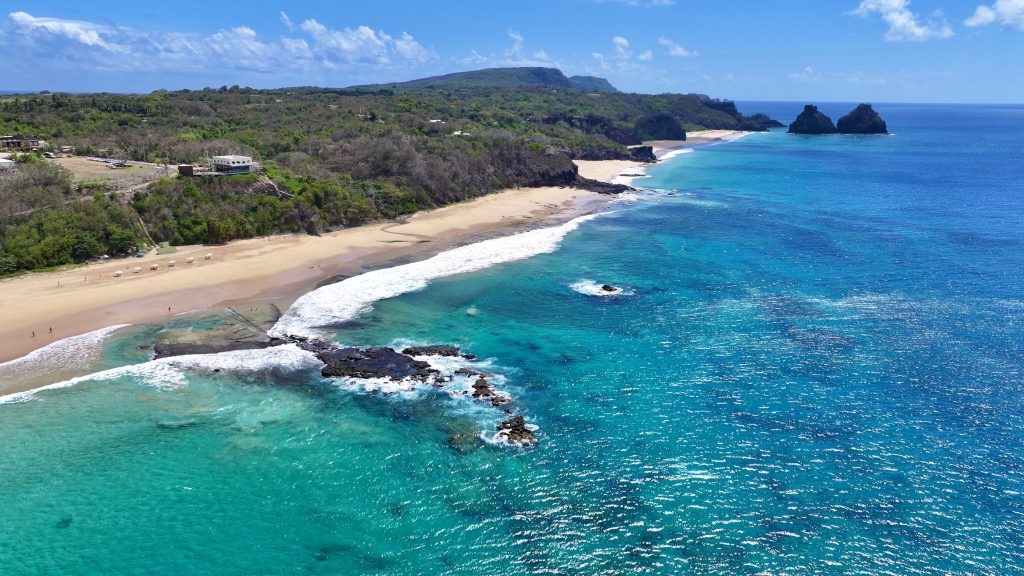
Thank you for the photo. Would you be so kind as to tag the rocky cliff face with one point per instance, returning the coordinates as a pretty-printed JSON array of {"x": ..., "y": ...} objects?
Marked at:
[
  {"x": 810, "y": 121},
  {"x": 862, "y": 120}
]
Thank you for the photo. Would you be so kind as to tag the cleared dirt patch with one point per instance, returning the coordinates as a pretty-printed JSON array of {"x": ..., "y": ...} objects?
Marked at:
[{"x": 135, "y": 175}]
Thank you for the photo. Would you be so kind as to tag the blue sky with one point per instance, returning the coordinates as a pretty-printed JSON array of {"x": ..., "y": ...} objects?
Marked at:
[{"x": 822, "y": 50}]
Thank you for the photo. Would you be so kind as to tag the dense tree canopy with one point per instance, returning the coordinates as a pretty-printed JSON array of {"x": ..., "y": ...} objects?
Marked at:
[{"x": 333, "y": 157}]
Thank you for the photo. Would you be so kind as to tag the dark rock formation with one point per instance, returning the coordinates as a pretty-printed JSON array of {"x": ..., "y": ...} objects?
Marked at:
[
  {"x": 609, "y": 288},
  {"x": 393, "y": 365},
  {"x": 862, "y": 120},
  {"x": 438, "y": 350},
  {"x": 600, "y": 187},
  {"x": 514, "y": 431},
  {"x": 758, "y": 123},
  {"x": 643, "y": 154},
  {"x": 810, "y": 121},
  {"x": 482, "y": 391},
  {"x": 466, "y": 371},
  {"x": 373, "y": 363}
]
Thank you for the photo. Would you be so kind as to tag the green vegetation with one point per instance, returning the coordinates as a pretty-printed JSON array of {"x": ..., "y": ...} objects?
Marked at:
[
  {"x": 45, "y": 221},
  {"x": 333, "y": 158}
]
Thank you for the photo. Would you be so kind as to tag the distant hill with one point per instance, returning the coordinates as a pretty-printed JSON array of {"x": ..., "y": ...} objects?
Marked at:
[{"x": 503, "y": 78}]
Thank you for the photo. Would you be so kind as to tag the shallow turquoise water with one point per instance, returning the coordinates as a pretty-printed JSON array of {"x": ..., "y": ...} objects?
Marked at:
[{"x": 816, "y": 368}]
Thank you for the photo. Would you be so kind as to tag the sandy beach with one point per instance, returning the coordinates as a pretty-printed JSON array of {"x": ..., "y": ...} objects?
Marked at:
[
  {"x": 273, "y": 269},
  {"x": 41, "y": 308},
  {"x": 605, "y": 170}
]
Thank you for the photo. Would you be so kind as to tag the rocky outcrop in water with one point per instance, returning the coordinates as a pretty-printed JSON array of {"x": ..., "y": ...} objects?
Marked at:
[
  {"x": 862, "y": 120},
  {"x": 439, "y": 350},
  {"x": 373, "y": 363},
  {"x": 237, "y": 330},
  {"x": 810, "y": 121},
  {"x": 514, "y": 431},
  {"x": 365, "y": 363},
  {"x": 482, "y": 390}
]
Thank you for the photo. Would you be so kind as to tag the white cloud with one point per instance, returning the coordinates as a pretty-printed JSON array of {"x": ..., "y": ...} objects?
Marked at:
[
  {"x": 103, "y": 47},
  {"x": 1009, "y": 13},
  {"x": 806, "y": 75},
  {"x": 86, "y": 33},
  {"x": 621, "y": 46},
  {"x": 904, "y": 25},
  {"x": 287, "y": 22},
  {"x": 677, "y": 50},
  {"x": 516, "y": 51},
  {"x": 408, "y": 48},
  {"x": 646, "y": 56}
]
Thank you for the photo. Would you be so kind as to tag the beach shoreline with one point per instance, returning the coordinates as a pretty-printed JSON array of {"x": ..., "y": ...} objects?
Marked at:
[
  {"x": 42, "y": 308},
  {"x": 273, "y": 269}
]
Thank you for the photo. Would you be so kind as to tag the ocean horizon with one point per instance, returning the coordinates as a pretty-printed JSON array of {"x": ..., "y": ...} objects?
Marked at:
[{"x": 812, "y": 363}]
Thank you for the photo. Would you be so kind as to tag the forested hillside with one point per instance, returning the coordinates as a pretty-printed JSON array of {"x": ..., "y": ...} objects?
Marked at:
[{"x": 334, "y": 157}]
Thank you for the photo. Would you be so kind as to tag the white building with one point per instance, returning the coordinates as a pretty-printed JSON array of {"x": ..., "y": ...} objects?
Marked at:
[
  {"x": 6, "y": 164},
  {"x": 233, "y": 164}
]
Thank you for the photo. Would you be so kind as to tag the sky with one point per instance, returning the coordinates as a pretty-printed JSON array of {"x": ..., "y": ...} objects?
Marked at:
[{"x": 786, "y": 50}]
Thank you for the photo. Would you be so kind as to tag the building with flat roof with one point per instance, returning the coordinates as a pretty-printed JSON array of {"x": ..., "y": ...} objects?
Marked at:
[{"x": 233, "y": 164}]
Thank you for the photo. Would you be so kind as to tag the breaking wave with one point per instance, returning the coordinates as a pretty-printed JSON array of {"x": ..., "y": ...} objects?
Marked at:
[
  {"x": 170, "y": 372},
  {"x": 341, "y": 302}
]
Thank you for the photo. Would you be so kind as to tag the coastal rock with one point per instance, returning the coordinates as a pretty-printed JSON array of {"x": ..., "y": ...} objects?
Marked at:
[
  {"x": 758, "y": 123},
  {"x": 862, "y": 120},
  {"x": 437, "y": 350},
  {"x": 643, "y": 154},
  {"x": 466, "y": 371},
  {"x": 810, "y": 121},
  {"x": 514, "y": 431},
  {"x": 227, "y": 337},
  {"x": 482, "y": 391},
  {"x": 373, "y": 363},
  {"x": 600, "y": 187}
]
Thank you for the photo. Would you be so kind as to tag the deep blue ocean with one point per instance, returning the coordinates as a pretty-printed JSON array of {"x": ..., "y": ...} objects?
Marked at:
[{"x": 815, "y": 366}]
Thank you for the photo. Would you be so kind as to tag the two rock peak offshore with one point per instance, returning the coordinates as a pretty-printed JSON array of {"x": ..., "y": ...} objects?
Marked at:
[{"x": 862, "y": 120}]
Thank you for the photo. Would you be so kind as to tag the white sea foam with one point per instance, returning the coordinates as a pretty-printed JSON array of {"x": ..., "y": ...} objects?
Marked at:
[
  {"x": 349, "y": 298},
  {"x": 76, "y": 351},
  {"x": 591, "y": 288},
  {"x": 673, "y": 153},
  {"x": 170, "y": 372}
]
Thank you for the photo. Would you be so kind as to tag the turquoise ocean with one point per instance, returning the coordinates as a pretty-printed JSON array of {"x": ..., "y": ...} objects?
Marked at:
[{"x": 815, "y": 366}]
